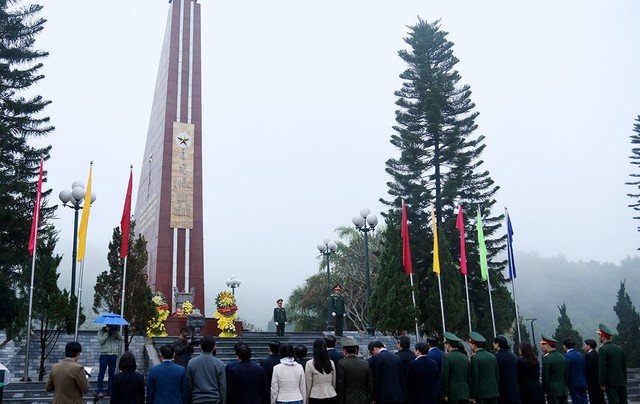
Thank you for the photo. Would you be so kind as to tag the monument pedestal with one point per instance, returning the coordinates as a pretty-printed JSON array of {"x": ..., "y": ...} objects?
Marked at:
[{"x": 174, "y": 324}]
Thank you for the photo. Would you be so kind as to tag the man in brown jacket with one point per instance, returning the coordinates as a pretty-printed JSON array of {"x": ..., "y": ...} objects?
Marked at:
[{"x": 68, "y": 379}]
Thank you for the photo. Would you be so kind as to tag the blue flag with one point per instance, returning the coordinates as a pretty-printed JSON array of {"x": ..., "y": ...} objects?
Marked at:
[{"x": 512, "y": 263}]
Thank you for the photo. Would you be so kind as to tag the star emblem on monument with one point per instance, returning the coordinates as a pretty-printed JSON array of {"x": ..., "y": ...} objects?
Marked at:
[{"x": 183, "y": 140}]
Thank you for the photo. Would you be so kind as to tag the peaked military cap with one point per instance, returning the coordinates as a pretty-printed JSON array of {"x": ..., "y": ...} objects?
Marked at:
[
  {"x": 549, "y": 341},
  {"x": 603, "y": 329},
  {"x": 476, "y": 337},
  {"x": 450, "y": 337},
  {"x": 348, "y": 341}
]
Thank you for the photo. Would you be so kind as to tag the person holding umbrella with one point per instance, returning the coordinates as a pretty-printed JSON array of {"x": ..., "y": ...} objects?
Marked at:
[{"x": 108, "y": 337}]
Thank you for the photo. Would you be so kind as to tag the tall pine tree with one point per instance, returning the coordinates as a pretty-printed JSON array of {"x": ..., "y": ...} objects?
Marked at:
[
  {"x": 138, "y": 308},
  {"x": 628, "y": 326},
  {"x": 21, "y": 120},
  {"x": 440, "y": 164},
  {"x": 565, "y": 329}
]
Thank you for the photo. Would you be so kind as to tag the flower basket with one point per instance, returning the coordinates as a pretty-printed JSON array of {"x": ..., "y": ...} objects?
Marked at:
[{"x": 226, "y": 314}]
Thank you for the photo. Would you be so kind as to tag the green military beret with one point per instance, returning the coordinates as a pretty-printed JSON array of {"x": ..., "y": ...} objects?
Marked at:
[
  {"x": 603, "y": 329},
  {"x": 548, "y": 340},
  {"x": 450, "y": 337},
  {"x": 476, "y": 337}
]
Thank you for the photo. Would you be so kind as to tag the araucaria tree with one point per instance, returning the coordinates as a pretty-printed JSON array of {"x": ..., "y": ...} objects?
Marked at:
[
  {"x": 635, "y": 161},
  {"x": 565, "y": 329},
  {"x": 628, "y": 326},
  {"x": 440, "y": 165},
  {"x": 21, "y": 120},
  {"x": 138, "y": 307}
]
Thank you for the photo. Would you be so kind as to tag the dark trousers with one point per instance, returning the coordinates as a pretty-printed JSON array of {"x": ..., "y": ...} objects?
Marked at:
[
  {"x": 578, "y": 395},
  {"x": 331, "y": 400},
  {"x": 596, "y": 395},
  {"x": 280, "y": 329},
  {"x": 617, "y": 395},
  {"x": 338, "y": 323},
  {"x": 106, "y": 361},
  {"x": 556, "y": 399}
]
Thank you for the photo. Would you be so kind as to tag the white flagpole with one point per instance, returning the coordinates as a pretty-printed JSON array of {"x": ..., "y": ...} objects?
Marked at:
[
  {"x": 444, "y": 328},
  {"x": 466, "y": 287},
  {"x": 493, "y": 319},
  {"x": 25, "y": 377},
  {"x": 413, "y": 296},
  {"x": 75, "y": 334},
  {"x": 124, "y": 282}
]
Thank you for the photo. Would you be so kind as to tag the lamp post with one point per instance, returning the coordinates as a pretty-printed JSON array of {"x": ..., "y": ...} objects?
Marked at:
[
  {"x": 366, "y": 223},
  {"x": 233, "y": 283},
  {"x": 73, "y": 199},
  {"x": 533, "y": 335},
  {"x": 326, "y": 248}
]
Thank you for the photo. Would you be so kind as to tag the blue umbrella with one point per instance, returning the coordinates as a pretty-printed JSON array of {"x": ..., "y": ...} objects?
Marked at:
[{"x": 111, "y": 319}]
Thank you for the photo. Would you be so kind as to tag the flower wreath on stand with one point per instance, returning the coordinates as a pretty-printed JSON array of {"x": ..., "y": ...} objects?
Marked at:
[
  {"x": 226, "y": 314},
  {"x": 156, "y": 327}
]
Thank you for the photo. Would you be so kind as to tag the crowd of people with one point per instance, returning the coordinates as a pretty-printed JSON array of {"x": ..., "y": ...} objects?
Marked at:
[{"x": 424, "y": 374}]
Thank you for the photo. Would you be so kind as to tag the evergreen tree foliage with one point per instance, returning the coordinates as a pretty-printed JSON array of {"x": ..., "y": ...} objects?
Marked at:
[
  {"x": 53, "y": 311},
  {"x": 440, "y": 164},
  {"x": 307, "y": 304},
  {"x": 392, "y": 308},
  {"x": 138, "y": 307},
  {"x": 628, "y": 326},
  {"x": 565, "y": 329},
  {"x": 635, "y": 161},
  {"x": 21, "y": 120}
]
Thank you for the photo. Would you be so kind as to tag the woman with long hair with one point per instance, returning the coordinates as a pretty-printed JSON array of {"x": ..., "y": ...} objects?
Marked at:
[
  {"x": 128, "y": 385},
  {"x": 287, "y": 383},
  {"x": 529, "y": 375},
  {"x": 320, "y": 376}
]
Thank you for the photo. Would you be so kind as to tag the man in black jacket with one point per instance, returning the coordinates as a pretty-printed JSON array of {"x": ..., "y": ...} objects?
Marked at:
[
  {"x": 270, "y": 361},
  {"x": 386, "y": 369},
  {"x": 596, "y": 395}
]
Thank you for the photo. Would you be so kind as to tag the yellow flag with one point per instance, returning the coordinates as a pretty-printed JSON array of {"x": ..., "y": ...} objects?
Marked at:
[
  {"x": 84, "y": 220},
  {"x": 436, "y": 256}
]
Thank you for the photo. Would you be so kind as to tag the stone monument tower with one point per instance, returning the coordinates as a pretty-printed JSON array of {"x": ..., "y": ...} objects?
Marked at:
[{"x": 168, "y": 210}]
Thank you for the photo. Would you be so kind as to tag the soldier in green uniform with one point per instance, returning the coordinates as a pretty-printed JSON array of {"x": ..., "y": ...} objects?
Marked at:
[
  {"x": 612, "y": 368},
  {"x": 455, "y": 372},
  {"x": 554, "y": 372},
  {"x": 483, "y": 372},
  {"x": 279, "y": 318},
  {"x": 336, "y": 308}
]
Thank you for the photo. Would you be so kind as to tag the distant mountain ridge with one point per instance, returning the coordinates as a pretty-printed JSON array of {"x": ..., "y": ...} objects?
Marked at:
[{"x": 589, "y": 289}]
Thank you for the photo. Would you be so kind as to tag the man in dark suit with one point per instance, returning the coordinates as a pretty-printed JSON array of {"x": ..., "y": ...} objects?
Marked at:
[
  {"x": 247, "y": 381},
  {"x": 455, "y": 372},
  {"x": 334, "y": 355},
  {"x": 386, "y": 369},
  {"x": 612, "y": 368},
  {"x": 436, "y": 355},
  {"x": 596, "y": 395},
  {"x": 483, "y": 370},
  {"x": 508, "y": 371},
  {"x": 422, "y": 375},
  {"x": 576, "y": 382},
  {"x": 354, "y": 383},
  {"x": 554, "y": 368},
  {"x": 279, "y": 318},
  {"x": 406, "y": 356},
  {"x": 270, "y": 361},
  {"x": 166, "y": 382},
  {"x": 301, "y": 353}
]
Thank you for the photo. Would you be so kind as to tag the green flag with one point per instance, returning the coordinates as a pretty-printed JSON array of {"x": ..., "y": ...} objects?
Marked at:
[{"x": 483, "y": 249}]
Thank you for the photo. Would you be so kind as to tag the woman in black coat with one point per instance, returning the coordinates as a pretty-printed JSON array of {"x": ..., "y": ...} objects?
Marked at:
[
  {"x": 529, "y": 376},
  {"x": 128, "y": 385}
]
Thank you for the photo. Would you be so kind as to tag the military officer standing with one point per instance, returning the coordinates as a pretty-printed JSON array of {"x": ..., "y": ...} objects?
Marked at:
[
  {"x": 279, "y": 318},
  {"x": 483, "y": 371},
  {"x": 554, "y": 371},
  {"x": 612, "y": 368},
  {"x": 336, "y": 308},
  {"x": 455, "y": 372}
]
